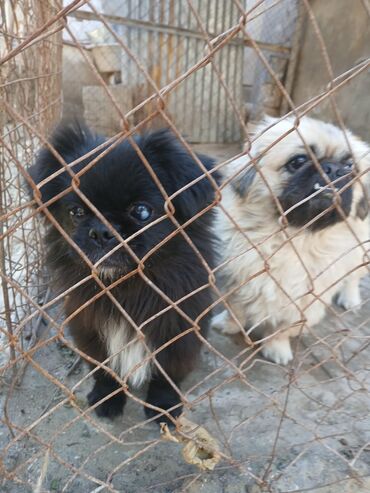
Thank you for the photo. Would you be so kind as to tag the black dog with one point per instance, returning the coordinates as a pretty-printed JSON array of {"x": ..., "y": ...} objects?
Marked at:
[{"x": 122, "y": 189}]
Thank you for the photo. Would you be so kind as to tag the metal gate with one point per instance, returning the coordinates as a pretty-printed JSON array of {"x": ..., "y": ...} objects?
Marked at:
[{"x": 168, "y": 38}]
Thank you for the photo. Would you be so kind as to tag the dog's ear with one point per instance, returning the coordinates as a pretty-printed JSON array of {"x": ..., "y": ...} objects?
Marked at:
[
  {"x": 247, "y": 169},
  {"x": 69, "y": 141},
  {"x": 164, "y": 148},
  {"x": 242, "y": 183},
  {"x": 362, "y": 153},
  {"x": 362, "y": 208},
  {"x": 241, "y": 172},
  {"x": 244, "y": 179}
]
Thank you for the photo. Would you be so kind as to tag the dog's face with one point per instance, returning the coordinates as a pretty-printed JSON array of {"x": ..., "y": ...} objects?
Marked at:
[
  {"x": 309, "y": 171},
  {"x": 124, "y": 193},
  {"x": 128, "y": 205}
]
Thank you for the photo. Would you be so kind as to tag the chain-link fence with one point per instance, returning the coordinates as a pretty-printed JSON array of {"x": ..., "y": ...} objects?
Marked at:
[{"x": 156, "y": 253}]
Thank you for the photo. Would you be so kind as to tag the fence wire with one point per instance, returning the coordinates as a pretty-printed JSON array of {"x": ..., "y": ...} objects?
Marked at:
[{"x": 207, "y": 71}]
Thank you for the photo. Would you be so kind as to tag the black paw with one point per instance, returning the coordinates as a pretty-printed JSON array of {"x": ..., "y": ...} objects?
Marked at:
[
  {"x": 161, "y": 394},
  {"x": 110, "y": 408},
  {"x": 160, "y": 417}
]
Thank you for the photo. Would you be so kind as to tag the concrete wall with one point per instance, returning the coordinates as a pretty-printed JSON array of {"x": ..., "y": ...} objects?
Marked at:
[
  {"x": 345, "y": 28},
  {"x": 76, "y": 74}
]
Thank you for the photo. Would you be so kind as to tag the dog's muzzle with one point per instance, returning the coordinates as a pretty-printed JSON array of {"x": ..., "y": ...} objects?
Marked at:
[{"x": 338, "y": 177}]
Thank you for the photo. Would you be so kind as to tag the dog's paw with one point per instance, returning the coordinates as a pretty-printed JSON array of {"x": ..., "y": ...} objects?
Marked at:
[
  {"x": 110, "y": 408},
  {"x": 163, "y": 396},
  {"x": 223, "y": 323},
  {"x": 161, "y": 417},
  {"x": 278, "y": 350},
  {"x": 349, "y": 299}
]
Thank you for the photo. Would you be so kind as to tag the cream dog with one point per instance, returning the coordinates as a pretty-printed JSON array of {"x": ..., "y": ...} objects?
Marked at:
[{"x": 293, "y": 226}]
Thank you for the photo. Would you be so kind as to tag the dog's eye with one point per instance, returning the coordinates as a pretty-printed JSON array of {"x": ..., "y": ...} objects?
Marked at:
[
  {"x": 76, "y": 211},
  {"x": 141, "y": 212},
  {"x": 296, "y": 162}
]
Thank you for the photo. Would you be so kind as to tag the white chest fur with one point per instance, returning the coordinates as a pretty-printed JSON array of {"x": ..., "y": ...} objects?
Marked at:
[{"x": 127, "y": 354}]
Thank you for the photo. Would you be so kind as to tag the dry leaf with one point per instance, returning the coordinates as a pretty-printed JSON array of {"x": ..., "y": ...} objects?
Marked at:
[{"x": 200, "y": 448}]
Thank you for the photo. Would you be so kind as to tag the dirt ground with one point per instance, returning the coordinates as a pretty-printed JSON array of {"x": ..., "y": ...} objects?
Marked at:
[{"x": 304, "y": 428}]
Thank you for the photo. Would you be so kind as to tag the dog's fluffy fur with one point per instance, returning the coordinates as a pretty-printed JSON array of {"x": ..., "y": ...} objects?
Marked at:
[
  {"x": 125, "y": 193},
  {"x": 314, "y": 258}
]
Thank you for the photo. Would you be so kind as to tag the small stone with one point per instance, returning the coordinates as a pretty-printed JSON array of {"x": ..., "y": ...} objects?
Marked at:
[
  {"x": 86, "y": 432},
  {"x": 348, "y": 453}
]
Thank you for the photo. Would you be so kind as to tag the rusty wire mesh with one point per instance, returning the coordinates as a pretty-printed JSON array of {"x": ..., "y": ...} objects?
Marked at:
[{"x": 304, "y": 427}]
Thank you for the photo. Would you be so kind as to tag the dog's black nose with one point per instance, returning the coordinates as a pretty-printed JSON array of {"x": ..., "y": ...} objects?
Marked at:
[
  {"x": 100, "y": 234},
  {"x": 333, "y": 170}
]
